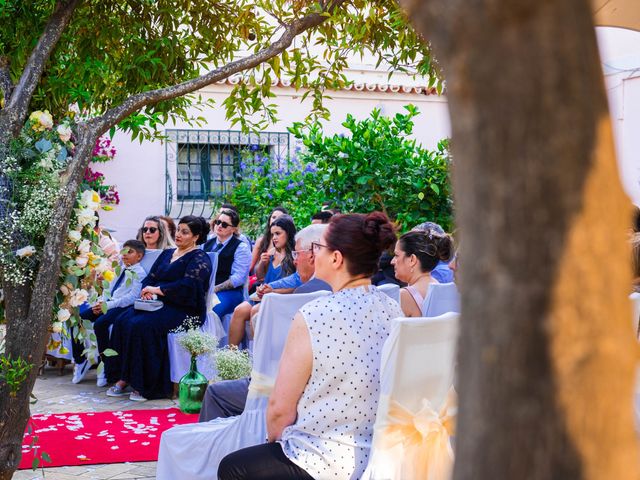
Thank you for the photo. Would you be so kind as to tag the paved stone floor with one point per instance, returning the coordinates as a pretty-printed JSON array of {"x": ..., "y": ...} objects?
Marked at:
[{"x": 56, "y": 394}]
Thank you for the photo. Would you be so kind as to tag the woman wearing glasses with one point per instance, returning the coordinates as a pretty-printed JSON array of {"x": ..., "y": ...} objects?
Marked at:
[
  {"x": 322, "y": 409},
  {"x": 154, "y": 234},
  {"x": 234, "y": 259}
]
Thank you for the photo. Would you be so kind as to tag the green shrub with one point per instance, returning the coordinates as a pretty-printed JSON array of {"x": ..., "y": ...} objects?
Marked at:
[{"x": 375, "y": 167}]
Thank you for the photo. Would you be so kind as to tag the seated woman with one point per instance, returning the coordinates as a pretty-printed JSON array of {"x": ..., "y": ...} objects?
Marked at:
[
  {"x": 322, "y": 410},
  {"x": 179, "y": 278},
  {"x": 234, "y": 258},
  {"x": 277, "y": 265},
  {"x": 264, "y": 244},
  {"x": 154, "y": 234},
  {"x": 417, "y": 253}
]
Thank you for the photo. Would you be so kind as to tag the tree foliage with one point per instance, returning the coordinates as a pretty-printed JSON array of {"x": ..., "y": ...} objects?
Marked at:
[
  {"x": 376, "y": 166},
  {"x": 112, "y": 49}
]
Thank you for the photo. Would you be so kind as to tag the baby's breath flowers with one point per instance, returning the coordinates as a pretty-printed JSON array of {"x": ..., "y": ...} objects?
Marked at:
[{"x": 232, "y": 363}]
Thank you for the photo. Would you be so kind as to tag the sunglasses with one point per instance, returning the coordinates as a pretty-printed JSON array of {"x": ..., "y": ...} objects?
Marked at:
[
  {"x": 222, "y": 224},
  {"x": 149, "y": 229}
]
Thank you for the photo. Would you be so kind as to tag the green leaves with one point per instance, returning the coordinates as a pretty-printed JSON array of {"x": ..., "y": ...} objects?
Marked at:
[{"x": 374, "y": 167}]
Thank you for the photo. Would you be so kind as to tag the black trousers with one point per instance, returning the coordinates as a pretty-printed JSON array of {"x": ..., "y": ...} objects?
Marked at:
[{"x": 261, "y": 462}]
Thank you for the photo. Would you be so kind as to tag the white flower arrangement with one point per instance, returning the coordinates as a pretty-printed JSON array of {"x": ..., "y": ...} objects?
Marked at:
[
  {"x": 25, "y": 251},
  {"x": 193, "y": 339},
  {"x": 232, "y": 363},
  {"x": 30, "y": 184}
]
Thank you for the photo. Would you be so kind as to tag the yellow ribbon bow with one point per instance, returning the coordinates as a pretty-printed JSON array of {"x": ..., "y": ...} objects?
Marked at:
[{"x": 424, "y": 437}]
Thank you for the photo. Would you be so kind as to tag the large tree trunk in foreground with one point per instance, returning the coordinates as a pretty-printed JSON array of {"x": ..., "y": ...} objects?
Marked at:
[{"x": 547, "y": 351}]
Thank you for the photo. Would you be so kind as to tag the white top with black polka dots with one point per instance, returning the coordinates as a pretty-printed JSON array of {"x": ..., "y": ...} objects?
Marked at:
[{"x": 332, "y": 434}]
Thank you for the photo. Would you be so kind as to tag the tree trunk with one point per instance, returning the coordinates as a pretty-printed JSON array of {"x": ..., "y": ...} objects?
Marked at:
[
  {"x": 546, "y": 351},
  {"x": 30, "y": 311}
]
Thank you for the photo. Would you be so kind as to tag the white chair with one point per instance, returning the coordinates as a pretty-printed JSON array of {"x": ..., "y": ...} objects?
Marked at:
[
  {"x": 635, "y": 309},
  {"x": 392, "y": 290},
  {"x": 179, "y": 358},
  {"x": 416, "y": 376},
  {"x": 194, "y": 451},
  {"x": 441, "y": 298}
]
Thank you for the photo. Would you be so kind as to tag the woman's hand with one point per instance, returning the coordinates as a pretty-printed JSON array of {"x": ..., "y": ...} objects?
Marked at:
[
  {"x": 265, "y": 257},
  {"x": 149, "y": 292},
  {"x": 263, "y": 290}
]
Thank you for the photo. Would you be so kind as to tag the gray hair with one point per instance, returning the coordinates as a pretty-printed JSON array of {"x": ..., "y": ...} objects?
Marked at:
[{"x": 310, "y": 234}]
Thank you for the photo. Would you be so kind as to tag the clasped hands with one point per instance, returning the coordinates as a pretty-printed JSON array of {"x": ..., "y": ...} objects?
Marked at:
[
  {"x": 149, "y": 292},
  {"x": 263, "y": 289}
]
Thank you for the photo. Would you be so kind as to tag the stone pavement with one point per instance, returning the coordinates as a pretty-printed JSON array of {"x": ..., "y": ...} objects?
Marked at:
[{"x": 56, "y": 394}]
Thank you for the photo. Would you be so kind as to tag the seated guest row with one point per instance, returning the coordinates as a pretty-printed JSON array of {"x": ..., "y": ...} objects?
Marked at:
[
  {"x": 322, "y": 409},
  {"x": 141, "y": 368}
]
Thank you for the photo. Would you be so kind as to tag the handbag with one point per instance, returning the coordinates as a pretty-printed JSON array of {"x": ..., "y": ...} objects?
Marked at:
[{"x": 148, "y": 305}]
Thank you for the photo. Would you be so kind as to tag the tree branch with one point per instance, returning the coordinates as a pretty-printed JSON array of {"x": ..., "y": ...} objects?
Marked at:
[
  {"x": 6, "y": 85},
  {"x": 134, "y": 103},
  {"x": 23, "y": 91}
]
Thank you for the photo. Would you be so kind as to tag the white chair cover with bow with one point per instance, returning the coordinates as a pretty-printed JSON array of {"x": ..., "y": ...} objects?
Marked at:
[
  {"x": 441, "y": 298},
  {"x": 391, "y": 290},
  {"x": 194, "y": 451},
  {"x": 417, "y": 407},
  {"x": 179, "y": 358}
]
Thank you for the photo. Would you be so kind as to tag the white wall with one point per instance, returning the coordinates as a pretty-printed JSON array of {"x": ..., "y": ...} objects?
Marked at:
[
  {"x": 139, "y": 169},
  {"x": 620, "y": 55}
]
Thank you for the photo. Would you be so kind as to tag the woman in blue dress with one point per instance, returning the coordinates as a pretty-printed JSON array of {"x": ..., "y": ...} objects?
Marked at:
[
  {"x": 278, "y": 263},
  {"x": 180, "y": 279}
]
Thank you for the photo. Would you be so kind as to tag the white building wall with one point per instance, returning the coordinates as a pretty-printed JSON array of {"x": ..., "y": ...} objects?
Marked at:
[
  {"x": 139, "y": 169},
  {"x": 620, "y": 54}
]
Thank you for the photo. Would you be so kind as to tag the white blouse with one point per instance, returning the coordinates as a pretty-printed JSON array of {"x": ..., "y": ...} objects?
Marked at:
[{"x": 332, "y": 434}]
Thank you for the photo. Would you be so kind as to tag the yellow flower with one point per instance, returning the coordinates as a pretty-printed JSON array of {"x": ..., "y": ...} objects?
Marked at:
[
  {"x": 109, "y": 276},
  {"x": 95, "y": 197},
  {"x": 41, "y": 120}
]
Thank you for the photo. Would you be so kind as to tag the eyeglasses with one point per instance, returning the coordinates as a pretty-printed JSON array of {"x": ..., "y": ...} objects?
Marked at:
[
  {"x": 296, "y": 253},
  {"x": 149, "y": 229},
  {"x": 222, "y": 224},
  {"x": 315, "y": 247}
]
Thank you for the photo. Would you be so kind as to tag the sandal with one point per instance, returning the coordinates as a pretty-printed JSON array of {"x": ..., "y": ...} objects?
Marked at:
[
  {"x": 116, "y": 391},
  {"x": 136, "y": 397}
]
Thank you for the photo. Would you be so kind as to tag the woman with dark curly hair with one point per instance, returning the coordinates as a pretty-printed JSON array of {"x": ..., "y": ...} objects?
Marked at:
[
  {"x": 179, "y": 279},
  {"x": 417, "y": 254},
  {"x": 322, "y": 409}
]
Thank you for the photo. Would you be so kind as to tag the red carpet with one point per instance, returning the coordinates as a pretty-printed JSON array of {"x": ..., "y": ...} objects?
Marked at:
[{"x": 100, "y": 437}]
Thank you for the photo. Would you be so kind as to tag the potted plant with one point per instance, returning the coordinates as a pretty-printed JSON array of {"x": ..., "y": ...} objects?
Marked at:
[{"x": 193, "y": 384}]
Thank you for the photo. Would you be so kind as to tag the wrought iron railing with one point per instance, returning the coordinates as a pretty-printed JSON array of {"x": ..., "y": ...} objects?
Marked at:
[{"x": 202, "y": 165}]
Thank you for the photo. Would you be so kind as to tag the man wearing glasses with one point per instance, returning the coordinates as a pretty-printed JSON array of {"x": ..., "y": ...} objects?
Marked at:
[{"x": 227, "y": 398}]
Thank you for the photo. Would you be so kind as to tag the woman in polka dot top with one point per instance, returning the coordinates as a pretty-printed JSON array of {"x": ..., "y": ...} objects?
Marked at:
[{"x": 322, "y": 410}]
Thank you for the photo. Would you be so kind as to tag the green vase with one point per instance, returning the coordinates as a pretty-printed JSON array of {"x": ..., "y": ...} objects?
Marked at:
[{"x": 191, "y": 389}]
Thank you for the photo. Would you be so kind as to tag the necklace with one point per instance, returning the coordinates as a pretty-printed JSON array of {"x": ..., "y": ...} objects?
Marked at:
[
  {"x": 184, "y": 252},
  {"x": 355, "y": 282}
]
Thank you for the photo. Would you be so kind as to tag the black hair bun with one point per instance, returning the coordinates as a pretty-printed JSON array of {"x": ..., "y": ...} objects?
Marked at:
[
  {"x": 378, "y": 229},
  {"x": 204, "y": 230}
]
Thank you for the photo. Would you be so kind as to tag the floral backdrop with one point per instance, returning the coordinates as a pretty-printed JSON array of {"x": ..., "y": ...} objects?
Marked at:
[{"x": 28, "y": 192}]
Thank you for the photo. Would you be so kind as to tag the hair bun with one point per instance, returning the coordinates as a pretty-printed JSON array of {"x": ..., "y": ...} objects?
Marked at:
[{"x": 378, "y": 229}]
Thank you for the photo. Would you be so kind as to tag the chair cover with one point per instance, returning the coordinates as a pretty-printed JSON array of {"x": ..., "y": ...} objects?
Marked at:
[
  {"x": 441, "y": 298},
  {"x": 635, "y": 308},
  {"x": 179, "y": 358},
  {"x": 415, "y": 411},
  {"x": 150, "y": 257},
  {"x": 194, "y": 451},
  {"x": 391, "y": 289}
]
